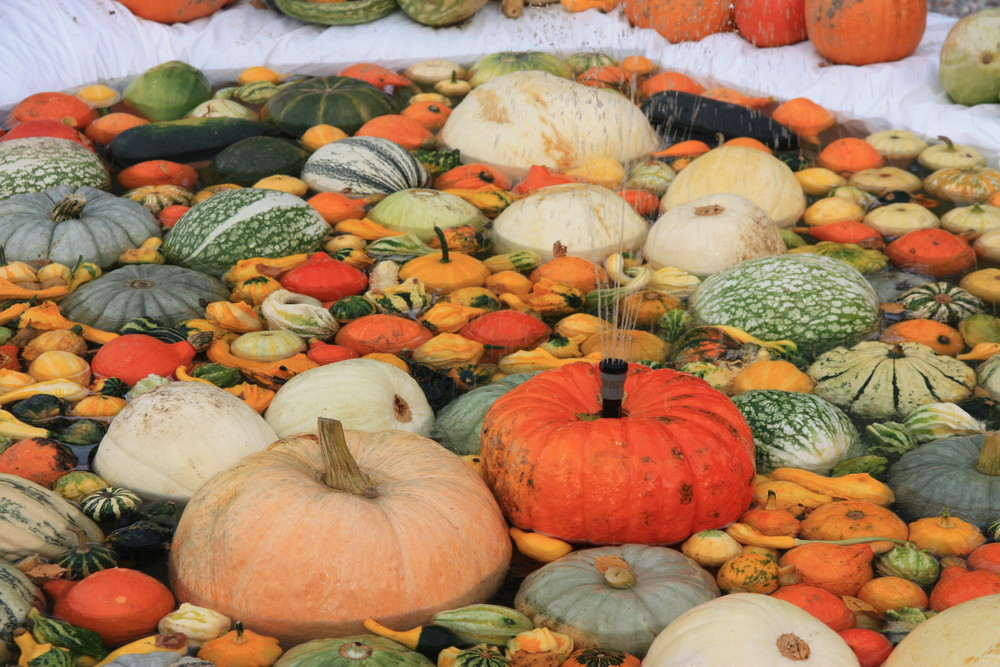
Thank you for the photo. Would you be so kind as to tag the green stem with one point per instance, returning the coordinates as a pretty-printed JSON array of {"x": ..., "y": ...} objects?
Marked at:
[
  {"x": 342, "y": 472},
  {"x": 444, "y": 245}
]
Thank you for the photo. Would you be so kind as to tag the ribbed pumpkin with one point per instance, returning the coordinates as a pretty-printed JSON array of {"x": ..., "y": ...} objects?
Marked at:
[
  {"x": 339, "y": 101},
  {"x": 854, "y": 32},
  {"x": 439, "y": 537},
  {"x": 682, "y": 460}
]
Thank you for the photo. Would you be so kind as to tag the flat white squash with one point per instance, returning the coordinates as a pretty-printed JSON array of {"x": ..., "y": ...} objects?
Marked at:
[
  {"x": 362, "y": 394},
  {"x": 591, "y": 221},
  {"x": 166, "y": 443},
  {"x": 535, "y": 118}
]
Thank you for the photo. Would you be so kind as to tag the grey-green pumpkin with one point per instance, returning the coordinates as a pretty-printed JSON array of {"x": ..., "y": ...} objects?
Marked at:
[{"x": 65, "y": 224}]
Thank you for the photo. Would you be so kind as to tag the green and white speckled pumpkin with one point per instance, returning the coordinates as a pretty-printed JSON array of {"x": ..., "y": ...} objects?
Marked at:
[
  {"x": 162, "y": 292},
  {"x": 33, "y": 164},
  {"x": 458, "y": 424},
  {"x": 942, "y": 302},
  {"x": 816, "y": 301},
  {"x": 366, "y": 650},
  {"x": 238, "y": 224},
  {"x": 796, "y": 430},
  {"x": 875, "y": 380},
  {"x": 110, "y": 503},
  {"x": 63, "y": 224}
]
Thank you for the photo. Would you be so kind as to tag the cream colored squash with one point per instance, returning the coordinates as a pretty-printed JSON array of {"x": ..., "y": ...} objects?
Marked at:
[
  {"x": 965, "y": 634},
  {"x": 362, "y": 394},
  {"x": 535, "y": 118},
  {"x": 711, "y": 233},
  {"x": 591, "y": 221},
  {"x": 762, "y": 178},
  {"x": 166, "y": 443},
  {"x": 900, "y": 218},
  {"x": 749, "y": 630}
]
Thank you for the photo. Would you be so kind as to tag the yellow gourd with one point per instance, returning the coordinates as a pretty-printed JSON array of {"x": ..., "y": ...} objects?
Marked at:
[
  {"x": 540, "y": 547},
  {"x": 790, "y": 496},
  {"x": 442, "y": 272},
  {"x": 241, "y": 648},
  {"x": 771, "y": 374},
  {"x": 857, "y": 486},
  {"x": 60, "y": 365},
  {"x": 175, "y": 643}
]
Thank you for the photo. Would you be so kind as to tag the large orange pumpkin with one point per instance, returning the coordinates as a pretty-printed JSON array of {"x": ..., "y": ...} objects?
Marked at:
[
  {"x": 679, "y": 460},
  {"x": 681, "y": 20},
  {"x": 302, "y": 541},
  {"x": 862, "y": 32},
  {"x": 174, "y": 11}
]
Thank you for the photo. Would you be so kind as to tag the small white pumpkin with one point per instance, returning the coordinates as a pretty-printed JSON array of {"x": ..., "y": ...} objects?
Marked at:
[
  {"x": 363, "y": 394},
  {"x": 758, "y": 176},
  {"x": 591, "y": 221},
  {"x": 750, "y": 630},
  {"x": 711, "y": 233},
  {"x": 961, "y": 635},
  {"x": 900, "y": 218},
  {"x": 167, "y": 442}
]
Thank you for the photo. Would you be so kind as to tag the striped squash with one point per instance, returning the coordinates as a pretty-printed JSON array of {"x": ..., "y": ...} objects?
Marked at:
[
  {"x": 110, "y": 503},
  {"x": 363, "y": 166},
  {"x": 483, "y": 623},
  {"x": 942, "y": 302},
  {"x": 237, "y": 224},
  {"x": 336, "y": 13},
  {"x": 341, "y": 101},
  {"x": 934, "y": 421},
  {"x": 33, "y": 164},
  {"x": 988, "y": 376},
  {"x": 35, "y": 520},
  {"x": 87, "y": 558},
  {"x": 796, "y": 430},
  {"x": 17, "y": 595},
  {"x": 441, "y": 12},
  {"x": 816, "y": 301},
  {"x": 876, "y": 380}
]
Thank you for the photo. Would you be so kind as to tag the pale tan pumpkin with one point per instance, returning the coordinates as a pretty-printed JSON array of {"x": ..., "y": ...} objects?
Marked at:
[{"x": 413, "y": 531}]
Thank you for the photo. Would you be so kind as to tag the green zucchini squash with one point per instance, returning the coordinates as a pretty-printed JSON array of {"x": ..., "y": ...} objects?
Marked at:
[{"x": 185, "y": 140}]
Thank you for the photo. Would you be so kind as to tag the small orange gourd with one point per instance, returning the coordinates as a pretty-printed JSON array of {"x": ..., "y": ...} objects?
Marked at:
[
  {"x": 404, "y": 130},
  {"x": 839, "y": 568},
  {"x": 891, "y": 592},
  {"x": 241, "y": 648},
  {"x": 804, "y": 117},
  {"x": 431, "y": 115},
  {"x": 846, "y": 519},
  {"x": 669, "y": 81},
  {"x": 771, "y": 374},
  {"x": 770, "y": 519},
  {"x": 942, "y": 338},
  {"x": 750, "y": 573},
  {"x": 822, "y": 604},
  {"x": 945, "y": 535},
  {"x": 849, "y": 155},
  {"x": 60, "y": 365},
  {"x": 579, "y": 272}
]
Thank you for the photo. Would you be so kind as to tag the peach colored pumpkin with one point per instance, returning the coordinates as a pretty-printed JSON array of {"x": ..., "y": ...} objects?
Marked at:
[{"x": 270, "y": 542}]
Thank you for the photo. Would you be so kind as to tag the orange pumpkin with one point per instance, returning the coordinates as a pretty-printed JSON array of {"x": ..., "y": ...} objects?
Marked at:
[
  {"x": 174, "y": 11},
  {"x": 681, "y": 20},
  {"x": 821, "y": 603},
  {"x": 405, "y": 131},
  {"x": 440, "y": 540},
  {"x": 579, "y": 272},
  {"x": 849, "y": 155},
  {"x": 933, "y": 252},
  {"x": 680, "y": 462},
  {"x": 937, "y": 335},
  {"x": 670, "y": 81},
  {"x": 890, "y": 592},
  {"x": 158, "y": 172},
  {"x": 471, "y": 177},
  {"x": 845, "y": 519},
  {"x": 429, "y": 114},
  {"x": 839, "y": 568},
  {"x": 61, "y": 107},
  {"x": 40, "y": 460},
  {"x": 957, "y": 585},
  {"x": 383, "y": 333},
  {"x": 862, "y": 32},
  {"x": 104, "y": 129},
  {"x": 770, "y": 519},
  {"x": 771, "y": 374}
]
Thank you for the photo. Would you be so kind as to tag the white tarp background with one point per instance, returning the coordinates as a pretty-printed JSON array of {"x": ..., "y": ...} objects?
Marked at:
[{"x": 51, "y": 45}]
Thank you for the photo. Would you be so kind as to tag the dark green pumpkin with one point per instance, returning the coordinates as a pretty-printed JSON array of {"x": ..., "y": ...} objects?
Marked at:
[
  {"x": 352, "y": 307},
  {"x": 87, "y": 558},
  {"x": 44, "y": 410},
  {"x": 110, "y": 503},
  {"x": 599, "y": 657},
  {"x": 217, "y": 374},
  {"x": 81, "y": 432},
  {"x": 142, "y": 538},
  {"x": 340, "y": 101},
  {"x": 111, "y": 387},
  {"x": 249, "y": 160}
]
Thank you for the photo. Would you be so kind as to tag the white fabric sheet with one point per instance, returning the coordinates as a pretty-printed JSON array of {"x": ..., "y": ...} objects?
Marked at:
[{"x": 64, "y": 44}]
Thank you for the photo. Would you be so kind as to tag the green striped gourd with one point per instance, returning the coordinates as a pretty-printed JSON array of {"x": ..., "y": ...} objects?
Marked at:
[
  {"x": 110, "y": 503},
  {"x": 889, "y": 439},
  {"x": 341, "y": 101},
  {"x": 440, "y": 12},
  {"x": 816, "y": 301},
  {"x": 942, "y": 302},
  {"x": 81, "y": 641},
  {"x": 483, "y": 623},
  {"x": 336, "y": 13},
  {"x": 363, "y": 166},
  {"x": 237, "y": 224},
  {"x": 934, "y": 421},
  {"x": 796, "y": 430},
  {"x": 876, "y": 380},
  {"x": 17, "y": 596},
  {"x": 458, "y": 424},
  {"x": 86, "y": 558},
  {"x": 36, "y": 520},
  {"x": 367, "y": 650},
  {"x": 33, "y": 164},
  {"x": 481, "y": 656}
]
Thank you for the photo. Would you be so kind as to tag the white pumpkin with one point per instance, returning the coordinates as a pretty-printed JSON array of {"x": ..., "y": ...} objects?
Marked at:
[
  {"x": 167, "y": 442},
  {"x": 965, "y": 634},
  {"x": 362, "y": 394},
  {"x": 535, "y": 118},
  {"x": 762, "y": 178},
  {"x": 749, "y": 630},
  {"x": 711, "y": 233},
  {"x": 591, "y": 221}
]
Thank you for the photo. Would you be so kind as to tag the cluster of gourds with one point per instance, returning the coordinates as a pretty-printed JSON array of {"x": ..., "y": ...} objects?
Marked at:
[{"x": 412, "y": 325}]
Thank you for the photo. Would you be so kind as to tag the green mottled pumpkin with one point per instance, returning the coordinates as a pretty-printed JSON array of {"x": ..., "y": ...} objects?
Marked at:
[
  {"x": 110, "y": 503},
  {"x": 340, "y": 101},
  {"x": 43, "y": 410},
  {"x": 941, "y": 301},
  {"x": 354, "y": 651}
]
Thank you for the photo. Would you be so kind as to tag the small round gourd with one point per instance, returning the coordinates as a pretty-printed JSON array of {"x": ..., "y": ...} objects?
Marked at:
[
  {"x": 162, "y": 292},
  {"x": 941, "y": 301},
  {"x": 110, "y": 503},
  {"x": 350, "y": 651},
  {"x": 614, "y": 597},
  {"x": 86, "y": 558}
]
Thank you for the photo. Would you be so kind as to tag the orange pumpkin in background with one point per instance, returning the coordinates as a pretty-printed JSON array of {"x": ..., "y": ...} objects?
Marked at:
[
  {"x": 862, "y": 32},
  {"x": 679, "y": 460},
  {"x": 681, "y": 20},
  {"x": 174, "y": 11}
]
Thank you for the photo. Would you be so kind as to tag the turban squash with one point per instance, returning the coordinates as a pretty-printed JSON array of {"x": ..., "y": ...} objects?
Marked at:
[{"x": 680, "y": 460}]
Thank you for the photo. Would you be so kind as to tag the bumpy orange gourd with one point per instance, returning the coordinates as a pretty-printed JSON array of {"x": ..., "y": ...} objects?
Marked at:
[
  {"x": 942, "y": 338},
  {"x": 654, "y": 476},
  {"x": 681, "y": 20},
  {"x": 845, "y": 519},
  {"x": 862, "y": 32},
  {"x": 241, "y": 648},
  {"x": 840, "y": 569}
]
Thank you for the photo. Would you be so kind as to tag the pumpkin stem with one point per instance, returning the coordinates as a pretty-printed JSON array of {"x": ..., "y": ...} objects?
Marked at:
[
  {"x": 949, "y": 142},
  {"x": 444, "y": 242},
  {"x": 240, "y": 638},
  {"x": 944, "y": 520},
  {"x": 559, "y": 250},
  {"x": 342, "y": 472},
  {"x": 792, "y": 647},
  {"x": 81, "y": 539},
  {"x": 68, "y": 208},
  {"x": 988, "y": 462},
  {"x": 617, "y": 572},
  {"x": 772, "y": 501}
]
